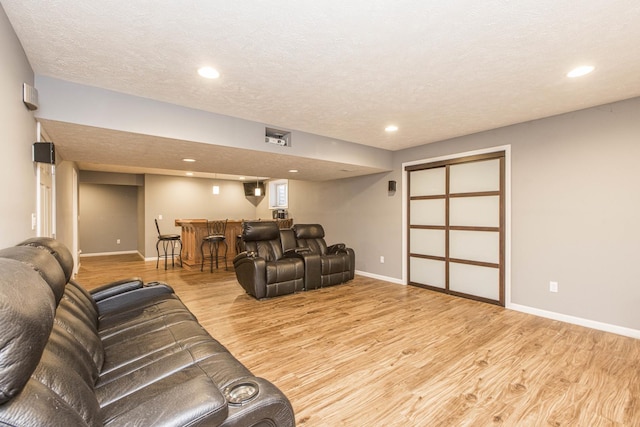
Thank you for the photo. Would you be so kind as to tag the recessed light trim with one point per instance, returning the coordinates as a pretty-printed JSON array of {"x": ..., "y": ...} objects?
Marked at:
[
  {"x": 189, "y": 160},
  {"x": 580, "y": 71},
  {"x": 391, "y": 128},
  {"x": 293, "y": 170},
  {"x": 208, "y": 72}
]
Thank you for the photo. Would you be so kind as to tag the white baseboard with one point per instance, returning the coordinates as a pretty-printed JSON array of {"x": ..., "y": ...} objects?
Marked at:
[
  {"x": 379, "y": 277},
  {"x": 83, "y": 255},
  {"x": 620, "y": 330},
  {"x": 601, "y": 326}
]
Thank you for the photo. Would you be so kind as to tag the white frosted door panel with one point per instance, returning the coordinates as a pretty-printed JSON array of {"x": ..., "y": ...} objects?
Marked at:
[
  {"x": 427, "y": 272},
  {"x": 428, "y": 182},
  {"x": 483, "y": 211},
  {"x": 427, "y": 212},
  {"x": 474, "y": 280},
  {"x": 481, "y": 246},
  {"x": 427, "y": 242},
  {"x": 475, "y": 176}
]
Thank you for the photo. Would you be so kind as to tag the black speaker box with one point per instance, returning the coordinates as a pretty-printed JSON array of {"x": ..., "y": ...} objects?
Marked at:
[
  {"x": 44, "y": 152},
  {"x": 392, "y": 186}
]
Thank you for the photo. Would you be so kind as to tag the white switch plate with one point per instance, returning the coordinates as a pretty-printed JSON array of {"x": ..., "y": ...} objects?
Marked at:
[
  {"x": 553, "y": 286},
  {"x": 160, "y": 216},
  {"x": 381, "y": 259}
]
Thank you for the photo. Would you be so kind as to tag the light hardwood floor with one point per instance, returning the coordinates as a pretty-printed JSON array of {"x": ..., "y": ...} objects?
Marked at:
[{"x": 372, "y": 353}]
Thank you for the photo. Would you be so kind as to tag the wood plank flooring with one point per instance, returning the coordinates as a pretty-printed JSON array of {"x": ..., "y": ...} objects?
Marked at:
[{"x": 372, "y": 353}]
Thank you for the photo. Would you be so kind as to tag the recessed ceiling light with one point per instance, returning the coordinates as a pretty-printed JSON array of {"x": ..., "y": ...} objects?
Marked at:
[
  {"x": 580, "y": 71},
  {"x": 208, "y": 73},
  {"x": 293, "y": 170},
  {"x": 391, "y": 128},
  {"x": 189, "y": 173},
  {"x": 189, "y": 160}
]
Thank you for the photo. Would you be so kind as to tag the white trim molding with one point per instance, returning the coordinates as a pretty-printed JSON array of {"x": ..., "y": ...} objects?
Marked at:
[
  {"x": 83, "y": 255},
  {"x": 380, "y": 277},
  {"x": 606, "y": 327}
]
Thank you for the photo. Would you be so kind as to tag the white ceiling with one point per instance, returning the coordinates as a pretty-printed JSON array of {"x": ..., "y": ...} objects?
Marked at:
[{"x": 346, "y": 69}]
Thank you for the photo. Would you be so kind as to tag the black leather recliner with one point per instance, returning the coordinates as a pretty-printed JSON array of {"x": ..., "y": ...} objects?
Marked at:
[
  {"x": 128, "y": 353},
  {"x": 336, "y": 262},
  {"x": 265, "y": 269}
]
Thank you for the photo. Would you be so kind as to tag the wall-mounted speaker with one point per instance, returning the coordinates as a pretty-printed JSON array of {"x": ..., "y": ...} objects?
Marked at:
[
  {"x": 392, "y": 186},
  {"x": 44, "y": 152},
  {"x": 30, "y": 97}
]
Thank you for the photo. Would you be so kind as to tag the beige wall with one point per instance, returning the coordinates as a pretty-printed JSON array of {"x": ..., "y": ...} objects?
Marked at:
[
  {"x": 177, "y": 197},
  {"x": 17, "y": 134}
]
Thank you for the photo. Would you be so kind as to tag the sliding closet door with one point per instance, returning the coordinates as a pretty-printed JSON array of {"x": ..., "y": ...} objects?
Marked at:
[{"x": 456, "y": 227}]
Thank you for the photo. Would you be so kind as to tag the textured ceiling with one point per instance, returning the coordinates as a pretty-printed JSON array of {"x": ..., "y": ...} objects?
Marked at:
[{"x": 346, "y": 69}]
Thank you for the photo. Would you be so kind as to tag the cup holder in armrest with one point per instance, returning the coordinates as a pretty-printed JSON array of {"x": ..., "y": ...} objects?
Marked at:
[{"x": 241, "y": 392}]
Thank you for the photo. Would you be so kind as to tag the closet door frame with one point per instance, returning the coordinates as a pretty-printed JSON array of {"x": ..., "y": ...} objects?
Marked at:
[{"x": 503, "y": 266}]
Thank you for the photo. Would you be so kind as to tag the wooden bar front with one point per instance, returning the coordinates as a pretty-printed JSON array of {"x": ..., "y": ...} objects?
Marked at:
[{"x": 194, "y": 230}]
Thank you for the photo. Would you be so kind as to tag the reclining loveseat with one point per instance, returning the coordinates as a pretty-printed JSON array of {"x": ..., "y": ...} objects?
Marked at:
[
  {"x": 127, "y": 353},
  {"x": 283, "y": 261}
]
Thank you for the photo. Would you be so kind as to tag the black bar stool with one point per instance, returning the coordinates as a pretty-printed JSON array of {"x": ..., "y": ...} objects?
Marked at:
[
  {"x": 167, "y": 240},
  {"x": 215, "y": 230}
]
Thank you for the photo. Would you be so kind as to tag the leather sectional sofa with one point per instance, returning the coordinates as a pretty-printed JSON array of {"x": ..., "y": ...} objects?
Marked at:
[
  {"x": 283, "y": 261},
  {"x": 127, "y": 353}
]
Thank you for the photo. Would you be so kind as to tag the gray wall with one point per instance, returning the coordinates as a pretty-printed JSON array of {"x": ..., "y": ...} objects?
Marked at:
[
  {"x": 107, "y": 213},
  {"x": 17, "y": 134},
  {"x": 575, "y": 210}
]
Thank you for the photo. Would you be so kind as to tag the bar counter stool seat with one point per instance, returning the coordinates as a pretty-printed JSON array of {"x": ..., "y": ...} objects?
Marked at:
[
  {"x": 216, "y": 235},
  {"x": 167, "y": 240}
]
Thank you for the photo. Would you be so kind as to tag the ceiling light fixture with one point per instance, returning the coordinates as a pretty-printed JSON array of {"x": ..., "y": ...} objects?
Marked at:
[
  {"x": 208, "y": 73},
  {"x": 293, "y": 170},
  {"x": 257, "y": 191},
  {"x": 189, "y": 173},
  {"x": 189, "y": 160},
  {"x": 580, "y": 71},
  {"x": 391, "y": 128}
]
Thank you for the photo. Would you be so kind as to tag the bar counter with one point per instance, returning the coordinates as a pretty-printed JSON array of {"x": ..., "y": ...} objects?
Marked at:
[{"x": 194, "y": 230}]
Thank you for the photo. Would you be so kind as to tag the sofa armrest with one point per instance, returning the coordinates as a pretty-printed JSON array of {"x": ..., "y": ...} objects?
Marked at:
[
  {"x": 337, "y": 248},
  {"x": 133, "y": 298},
  {"x": 114, "y": 288},
  {"x": 251, "y": 274}
]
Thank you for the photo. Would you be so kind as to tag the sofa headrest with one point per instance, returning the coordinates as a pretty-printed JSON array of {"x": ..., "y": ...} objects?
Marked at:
[
  {"x": 43, "y": 263},
  {"x": 308, "y": 231},
  {"x": 260, "y": 230},
  {"x": 57, "y": 249},
  {"x": 27, "y": 309}
]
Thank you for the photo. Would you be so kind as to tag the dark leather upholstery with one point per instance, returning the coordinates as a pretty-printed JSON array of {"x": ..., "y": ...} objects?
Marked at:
[
  {"x": 337, "y": 262},
  {"x": 264, "y": 269},
  {"x": 135, "y": 355}
]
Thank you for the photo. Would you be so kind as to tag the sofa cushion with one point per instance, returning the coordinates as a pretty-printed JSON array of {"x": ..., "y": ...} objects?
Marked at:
[
  {"x": 27, "y": 308},
  {"x": 59, "y": 251},
  {"x": 42, "y": 262}
]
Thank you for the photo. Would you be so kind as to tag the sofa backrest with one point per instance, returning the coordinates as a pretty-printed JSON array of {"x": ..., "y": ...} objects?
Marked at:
[
  {"x": 262, "y": 237},
  {"x": 311, "y": 236},
  {"x": 50, "y": 351}
]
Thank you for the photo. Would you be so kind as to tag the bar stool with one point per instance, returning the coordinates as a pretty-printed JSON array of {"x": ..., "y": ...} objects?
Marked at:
[
  {"x": 167, "y": 240},
  {"x": 215, "y": 230}
]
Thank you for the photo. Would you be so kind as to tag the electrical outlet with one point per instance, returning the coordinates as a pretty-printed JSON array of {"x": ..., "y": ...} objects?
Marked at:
[
  {"x": 381, "y": 259},
  {"x": 117, "y": 241},
  {"x": 553, "y": 286},
  {"x": 160, "y": 216}
]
